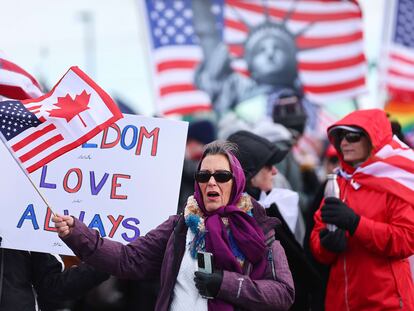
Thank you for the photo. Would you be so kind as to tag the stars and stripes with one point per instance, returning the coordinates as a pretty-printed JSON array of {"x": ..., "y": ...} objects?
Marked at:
[
  {"x": 399, "y": 50},
  {"x": 329, "y": 37},
  {"x": 26, "y": 135},
  {"x": 176, "y": 55},
  {"x": 392, "y": 170},
  {"x": 36, "y": 134},
  {"x": 15, "y": 119}
]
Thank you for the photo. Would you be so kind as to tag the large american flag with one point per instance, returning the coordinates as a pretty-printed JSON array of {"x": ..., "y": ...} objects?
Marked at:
[
  {"x": 329, "y": 36},
  {"x": 399, "y": 49},
  {"x": 39, "y": 130},
  {"x": 176, "y": 55},
  {"x": 16, "y": 83}
]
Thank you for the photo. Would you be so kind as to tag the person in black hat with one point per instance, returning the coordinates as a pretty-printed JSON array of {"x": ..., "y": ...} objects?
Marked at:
[{"x": 258, "y": 156}]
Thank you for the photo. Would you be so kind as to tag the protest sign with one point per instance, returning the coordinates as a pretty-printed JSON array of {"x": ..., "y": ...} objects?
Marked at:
[{"x": 123, "y": 182}]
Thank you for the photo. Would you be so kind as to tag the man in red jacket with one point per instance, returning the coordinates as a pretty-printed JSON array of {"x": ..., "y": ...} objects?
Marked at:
[{"x": 375, "y": 217}]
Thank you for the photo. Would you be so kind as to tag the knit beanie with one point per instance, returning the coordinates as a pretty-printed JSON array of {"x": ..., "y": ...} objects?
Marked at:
[{"x": 202, "y": 131}]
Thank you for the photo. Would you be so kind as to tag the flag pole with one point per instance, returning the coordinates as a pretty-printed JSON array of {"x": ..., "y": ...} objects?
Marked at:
[
  {"x": 388, "y": 28},
  {"x": 3, "y": 139},
  {"x": 143, "y": 27}
]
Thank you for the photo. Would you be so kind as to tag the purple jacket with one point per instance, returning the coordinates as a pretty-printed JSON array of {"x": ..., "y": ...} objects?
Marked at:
[{"x": 159, "y": 253}]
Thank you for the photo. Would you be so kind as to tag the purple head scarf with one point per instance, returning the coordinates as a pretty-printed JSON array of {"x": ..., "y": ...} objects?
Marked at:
[{"x": 248, "y": 235}]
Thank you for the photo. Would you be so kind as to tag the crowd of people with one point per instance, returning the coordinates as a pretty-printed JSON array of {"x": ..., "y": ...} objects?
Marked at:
[
  {"x": 252, "y": 203},
  {"x": 247, "y": 200},
  {"x": 270, "y": 253}
]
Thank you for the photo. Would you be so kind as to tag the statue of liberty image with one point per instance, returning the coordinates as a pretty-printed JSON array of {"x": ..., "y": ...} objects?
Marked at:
[{"x": 269, "y": 51}]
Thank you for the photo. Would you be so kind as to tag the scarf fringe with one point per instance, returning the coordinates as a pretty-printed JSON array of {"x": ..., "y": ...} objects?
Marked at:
[{"x": 195, "y": 220}]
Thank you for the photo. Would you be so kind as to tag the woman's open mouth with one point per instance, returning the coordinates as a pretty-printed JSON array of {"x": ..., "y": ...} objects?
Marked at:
[{"x": 213, "y": 195}]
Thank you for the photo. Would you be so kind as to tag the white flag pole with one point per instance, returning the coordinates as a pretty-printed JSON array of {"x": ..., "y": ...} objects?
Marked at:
[{"x": 3, "y": 139}]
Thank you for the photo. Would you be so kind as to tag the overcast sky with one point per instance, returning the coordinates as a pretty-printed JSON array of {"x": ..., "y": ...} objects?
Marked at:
[{"x": 46, "y": 37}]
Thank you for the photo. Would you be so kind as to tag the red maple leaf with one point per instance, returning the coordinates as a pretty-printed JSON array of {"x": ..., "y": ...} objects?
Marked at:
[{"x": 69, "y": 108}]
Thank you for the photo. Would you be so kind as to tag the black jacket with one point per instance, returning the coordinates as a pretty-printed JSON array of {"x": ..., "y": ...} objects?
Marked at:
[
  {"x": 305, "y": 277},
  {"x": 26, "y": 274}
]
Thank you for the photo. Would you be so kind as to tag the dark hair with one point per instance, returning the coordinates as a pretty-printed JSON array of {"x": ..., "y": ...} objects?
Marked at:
[{"x": 397, "y": 130}]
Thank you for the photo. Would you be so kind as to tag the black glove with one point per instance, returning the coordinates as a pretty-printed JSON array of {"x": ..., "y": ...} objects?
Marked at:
[
  {"x": 336, "y": 212},
  {"x": 334, "y": 241},
  {"x": 208, "y": 284}
]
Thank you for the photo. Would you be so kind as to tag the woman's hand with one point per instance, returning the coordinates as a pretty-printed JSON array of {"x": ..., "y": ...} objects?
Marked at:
[{"x": 63, "y": 224}]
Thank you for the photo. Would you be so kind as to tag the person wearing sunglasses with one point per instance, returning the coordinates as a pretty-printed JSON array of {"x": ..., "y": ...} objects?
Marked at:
[
  {"x": 250, "y": 270},
  {"x": 374, "y": 215},
  {"x": 258, "y": 157}
]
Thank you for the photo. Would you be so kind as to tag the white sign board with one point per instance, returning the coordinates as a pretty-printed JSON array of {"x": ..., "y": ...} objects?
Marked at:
[{"x": 123, "y": 183}]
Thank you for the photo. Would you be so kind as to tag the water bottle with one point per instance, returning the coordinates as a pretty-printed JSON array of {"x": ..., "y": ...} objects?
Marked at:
[{"x": 331, "y": 190}]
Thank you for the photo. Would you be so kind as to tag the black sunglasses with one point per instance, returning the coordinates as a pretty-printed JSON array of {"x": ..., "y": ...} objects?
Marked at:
[
  {"x": 220, "y": 176},
  {"x": 350, "y": 137}
]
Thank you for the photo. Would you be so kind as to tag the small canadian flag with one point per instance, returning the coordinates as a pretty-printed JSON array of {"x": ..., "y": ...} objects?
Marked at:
[{"x": 40, "y": 130}]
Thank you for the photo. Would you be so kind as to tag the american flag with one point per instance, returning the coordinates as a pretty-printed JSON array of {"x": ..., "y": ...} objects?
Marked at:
[
  {"x": 16, "y": 83},
  {"x": 329, "y": 38},
  {"x": 392, "y": 170},
  {"x": 39, "y": 130},
  {"x": 176, "y": 55},
  {"x": 399, "y": 49}
]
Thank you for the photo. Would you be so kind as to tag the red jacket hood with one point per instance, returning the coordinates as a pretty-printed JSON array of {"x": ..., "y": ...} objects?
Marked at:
[{"x": 375, "y": 124}]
